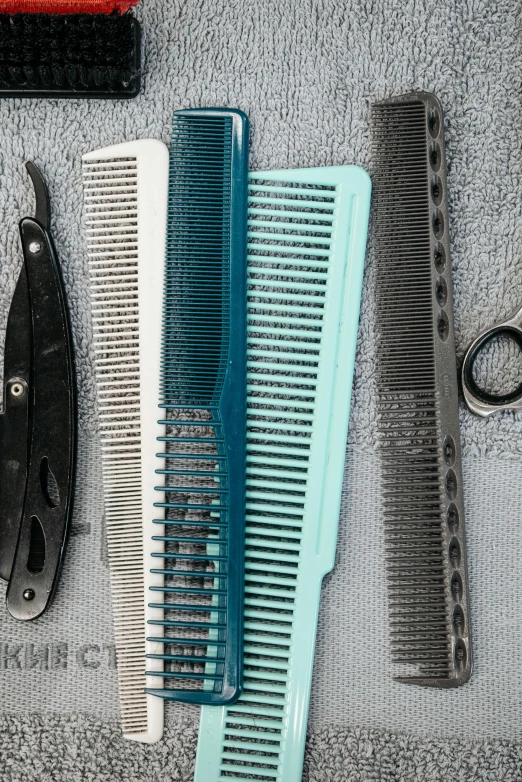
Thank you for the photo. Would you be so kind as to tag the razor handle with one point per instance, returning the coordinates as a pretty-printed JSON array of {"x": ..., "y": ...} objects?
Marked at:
[{"x": 40, "y": 414}]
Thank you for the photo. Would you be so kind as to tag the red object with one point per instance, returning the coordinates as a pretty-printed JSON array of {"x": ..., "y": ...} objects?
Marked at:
[{"x": 64, "y": 6}]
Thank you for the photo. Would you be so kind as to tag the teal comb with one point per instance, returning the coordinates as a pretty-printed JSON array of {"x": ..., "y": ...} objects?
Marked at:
[
  {"x": 307, "y": 237},
  {"x": 203, "y": 388}
]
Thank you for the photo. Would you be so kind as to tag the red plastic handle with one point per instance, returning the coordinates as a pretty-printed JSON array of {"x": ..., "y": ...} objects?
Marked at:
[{"x": 64, "y": 6}]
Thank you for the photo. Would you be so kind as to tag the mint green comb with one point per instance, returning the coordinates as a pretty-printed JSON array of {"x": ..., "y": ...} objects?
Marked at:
[{"x": 306, "y": 246}]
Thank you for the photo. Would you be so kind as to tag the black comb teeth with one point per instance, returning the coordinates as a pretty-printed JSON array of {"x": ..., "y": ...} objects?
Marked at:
[
  {"x": 417, "y": 397},
  {"x": 70, "y": 55}
]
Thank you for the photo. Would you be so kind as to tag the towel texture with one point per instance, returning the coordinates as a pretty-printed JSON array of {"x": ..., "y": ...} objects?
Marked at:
[
  {"x": 76, "y": 749},
  {"x": 306, "y": 72}
]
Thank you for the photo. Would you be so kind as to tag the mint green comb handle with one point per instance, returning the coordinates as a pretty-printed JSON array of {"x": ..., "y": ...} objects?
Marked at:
[{"x": 306, "y": 246}]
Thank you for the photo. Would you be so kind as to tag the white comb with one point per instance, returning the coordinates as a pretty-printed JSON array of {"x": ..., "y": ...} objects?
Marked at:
[{"x": 125, "y": 191}]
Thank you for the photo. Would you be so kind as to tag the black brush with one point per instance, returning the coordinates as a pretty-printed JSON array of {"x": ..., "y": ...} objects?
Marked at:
[
  {"x": 418, "y": 396},
  {"x": 69, "y": 56}
]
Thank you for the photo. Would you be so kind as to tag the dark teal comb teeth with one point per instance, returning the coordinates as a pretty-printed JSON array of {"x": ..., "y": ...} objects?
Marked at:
[{"x": 203, "y": 391}]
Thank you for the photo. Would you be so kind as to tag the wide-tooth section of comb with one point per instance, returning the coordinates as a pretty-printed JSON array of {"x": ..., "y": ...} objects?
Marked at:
[
  {"x": 69, "y": 56},
  {"x": 306, "y": 243},
  {"x": 203, "y": 389},
  {"x": 418, "y": 397},
  {"x": 125, "y": 189}
]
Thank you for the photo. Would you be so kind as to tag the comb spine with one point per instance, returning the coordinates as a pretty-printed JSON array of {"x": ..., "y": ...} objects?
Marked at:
[
  {"x": 152, "y": 235},
  {"x": 451, "y": 447},
  {"x": 233, "y": 405}
]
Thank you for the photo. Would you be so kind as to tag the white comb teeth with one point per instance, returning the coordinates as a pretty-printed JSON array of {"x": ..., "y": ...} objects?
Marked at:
[{"x": 125, "y": 190}]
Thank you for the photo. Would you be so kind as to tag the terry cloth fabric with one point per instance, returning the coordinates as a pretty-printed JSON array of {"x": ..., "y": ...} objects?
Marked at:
[
  {"x": 64, "y": 6},
  {"x": 307, "y": 73}
]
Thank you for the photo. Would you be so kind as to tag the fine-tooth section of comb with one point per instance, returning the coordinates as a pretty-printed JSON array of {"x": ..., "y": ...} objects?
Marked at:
[
  {"x": 203, "y": 390},
  {"x": 125, "y": 191},
  {"x": 306, "y": 244},
  {"x": 420, "y": 448},
  {"x": 69, "y": 55}
]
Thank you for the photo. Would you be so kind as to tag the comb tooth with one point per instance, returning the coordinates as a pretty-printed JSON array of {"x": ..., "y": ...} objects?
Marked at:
[
  {"x": 417, "y": 401},
  {"x": 125, "y": 281}
]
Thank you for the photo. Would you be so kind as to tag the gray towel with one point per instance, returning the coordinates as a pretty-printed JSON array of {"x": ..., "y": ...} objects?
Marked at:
[{"x": 306, "y": 71}]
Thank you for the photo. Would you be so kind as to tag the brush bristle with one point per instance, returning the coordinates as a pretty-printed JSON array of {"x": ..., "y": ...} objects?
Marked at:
[
  {"x": 416, "y": 375},
  {"x": 91, "y": 54}
]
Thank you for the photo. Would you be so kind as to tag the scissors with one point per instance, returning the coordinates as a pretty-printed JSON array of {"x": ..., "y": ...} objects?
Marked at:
[{"x": 481, "y": 402}]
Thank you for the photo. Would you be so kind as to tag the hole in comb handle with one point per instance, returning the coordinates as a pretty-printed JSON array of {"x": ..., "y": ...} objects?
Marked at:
[
  {"x": 449, "y": 451},
  {"x": 435, "y": 157},
  {"x": 439, "y": 257},
  {"x": 459, "y": 623},
  {"x": 454, "y": 552},
  {"x": 461, "y": 655},
  {"x": 438, "y": 224},
  {"x": 451, "y": 484},
  {"x": 456, "y": 587},
  {"x": 453, "y": 518},
  {"x": 437, "y": 191},
  {"x": 443, "y": 326},
  {"x": 434, "y": 123},
  {"x": 441, "y": 291}
]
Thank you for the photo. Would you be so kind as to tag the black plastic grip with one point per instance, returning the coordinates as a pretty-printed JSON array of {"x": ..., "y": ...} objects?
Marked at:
[
  {"x": 14, "y": 424},
  {"x": 52, "y": 432}
]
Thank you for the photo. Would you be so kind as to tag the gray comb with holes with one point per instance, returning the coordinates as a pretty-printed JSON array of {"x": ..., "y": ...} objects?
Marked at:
[{"x": 420, "y": 449}]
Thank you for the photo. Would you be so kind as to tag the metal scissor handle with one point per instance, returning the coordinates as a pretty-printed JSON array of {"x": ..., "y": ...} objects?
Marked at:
[{"x": 479, "y": 401}]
